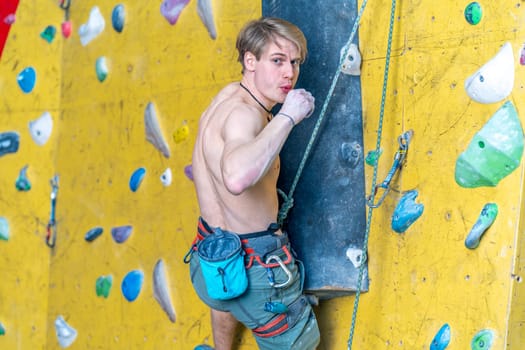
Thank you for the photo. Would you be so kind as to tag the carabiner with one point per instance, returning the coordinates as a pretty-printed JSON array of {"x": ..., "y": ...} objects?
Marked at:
[{"x": 270, "y": 273}]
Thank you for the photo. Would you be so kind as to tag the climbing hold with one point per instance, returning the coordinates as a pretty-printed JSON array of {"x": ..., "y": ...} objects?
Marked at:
[
  {"x": 132, "y": 284},
  {"x": 48, "y": 34},
  {"x": 350, "y": 153},
  {"x": 92, "y": 234},
  {"x": 101, "y": 68},
  {"x": 153, "y": 131},
  {"x": 406, "y": 212},
  {"x": 442, "y": 338},
  {"x": 160, "y": 290},
  {"x": 22, "y": 182},
  {"x": 352, "y": 62},
  {"x": 103, "y": 285},
  {"x": 10, "y": 19},
  {"x": 494, "y": 81},
  {"x": 486, "y": 218},
  {"x": 205, "y": 12},
  {"x": 166, "y": 177},
  {"x": 373, "y": 156},
  {"x": 26, "y": 79},
  {"x": 171, "y": 9},
  {"x": 203, "y": 347},
  {"x": 188, "y": 171},
  {"x": 65, "y": 333},
  {"x": 181, "y": 133},
  {"x": 118, "y": 17},
  {"x": 9, "y": 142},
  {"x": 4, "y": 229},
  {"x": 494, "y": 152},
  {"x": 67, "y": 28},
  {"x": 120, "y": 234},
  {"x": 482, "y": 340},
  {"x": 41, "y": 128},
  {"x": 355, "y": 255},
  {"x": 2, "y": 329},
  {"x": 473, "y": 13},
  {"x": 93, "y": 27},
  {"x": 136, "y": 179},
  {"x": 522, "y": 56}
]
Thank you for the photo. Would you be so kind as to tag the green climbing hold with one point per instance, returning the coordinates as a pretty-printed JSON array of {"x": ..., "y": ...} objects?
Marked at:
[
  {"x": 372, "y": 157},
  {"x": 103, "y": 285},
  {"x": 482, "y": 340},
  {"x": 473, "y": 13},
  {"x": 2, "y": 329},
  {"x": 494, "y": 152}
]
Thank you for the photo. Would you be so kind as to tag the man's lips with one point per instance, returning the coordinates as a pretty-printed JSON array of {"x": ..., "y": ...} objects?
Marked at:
[{"x": 286, "y": 88}]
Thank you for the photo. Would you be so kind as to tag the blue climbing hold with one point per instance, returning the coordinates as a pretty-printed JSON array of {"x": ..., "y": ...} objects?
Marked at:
[
  {"x": 117, "y": 18},
  {"x": 485, "y": 220},
  {"x": 406, "y": 212},
  {"x": 92, "y": 234},
  {"x": 203, "y": 347},
  {"x": 442, "y": 338},
  {"x": 132, "y": 284},
  {"x": 136, "y": 179},
  {"x": 26, "y": 79},
  {"x": 9, "y": 142}
]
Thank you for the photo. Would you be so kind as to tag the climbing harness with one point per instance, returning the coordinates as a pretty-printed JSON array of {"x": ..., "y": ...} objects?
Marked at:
[
  {"x": 399, "y": 158},
  {"x": 52, "y": 225}
]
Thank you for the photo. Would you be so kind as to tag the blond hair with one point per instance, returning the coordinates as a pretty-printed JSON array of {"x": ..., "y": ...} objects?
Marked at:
[{"x": 256, "y": 34}]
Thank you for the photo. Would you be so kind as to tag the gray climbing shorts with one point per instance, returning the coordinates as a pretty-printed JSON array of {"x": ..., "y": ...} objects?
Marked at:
[{"x": 296, "y": 330}]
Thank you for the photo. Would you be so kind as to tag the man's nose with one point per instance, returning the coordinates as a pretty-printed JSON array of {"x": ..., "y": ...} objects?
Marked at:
[{"x": 288, "y": 70}]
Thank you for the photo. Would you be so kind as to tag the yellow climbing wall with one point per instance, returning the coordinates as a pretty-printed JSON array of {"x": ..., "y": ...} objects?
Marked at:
[
  {"x": 419, "y": 280},
  {"x": 426, "y": 277},
  {"x": 24, "y": 257}
]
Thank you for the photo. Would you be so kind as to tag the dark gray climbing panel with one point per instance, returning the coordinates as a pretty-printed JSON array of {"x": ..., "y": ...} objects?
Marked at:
[{"x": 329, "y": 213}]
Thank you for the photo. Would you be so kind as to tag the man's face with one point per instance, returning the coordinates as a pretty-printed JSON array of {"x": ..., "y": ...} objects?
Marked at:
[{"x": 277, "y": 70}]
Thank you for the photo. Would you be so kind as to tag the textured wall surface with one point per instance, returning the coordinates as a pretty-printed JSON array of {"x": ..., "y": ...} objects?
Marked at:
[{"x": 419, "y": 280}]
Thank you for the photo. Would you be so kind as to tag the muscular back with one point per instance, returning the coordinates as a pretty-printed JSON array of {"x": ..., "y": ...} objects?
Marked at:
[{"x": 227, "y": 125}]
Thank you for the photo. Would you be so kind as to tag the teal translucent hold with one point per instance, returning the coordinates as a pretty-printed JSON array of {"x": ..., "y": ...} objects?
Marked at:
[
  {"x": 22, "y": 182},
  {"x": 103, "y": 285},
  {"x": 49, "y": 33},
  {"x": 473, "y": 13},
  {"x": 482, "y": 340},
  {"x": 485, "y": 220},
  {"x": 442, "y": 338},
  {"x": 372, "y": 157},
  {"x": 2, "y": 329},
  {"x": 4, "y": 229},
  {"x": 101, "y": 68},
  {"x": 203, "y": 347},
  {"x": 494, "y": 152}
]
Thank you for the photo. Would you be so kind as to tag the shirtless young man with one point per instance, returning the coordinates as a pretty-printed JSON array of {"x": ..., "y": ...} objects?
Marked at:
[{"x": 235, "y": 170}]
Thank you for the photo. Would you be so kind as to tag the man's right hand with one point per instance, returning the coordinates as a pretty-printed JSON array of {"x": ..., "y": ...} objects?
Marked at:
[{"x": 299, "y": 104}]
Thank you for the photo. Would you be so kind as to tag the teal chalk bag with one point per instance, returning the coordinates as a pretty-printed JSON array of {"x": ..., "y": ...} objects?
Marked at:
[{"x": 222, "y": 262}]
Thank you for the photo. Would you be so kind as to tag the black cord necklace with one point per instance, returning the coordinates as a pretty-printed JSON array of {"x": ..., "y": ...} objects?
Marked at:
[{"x": 256, "y": 100}]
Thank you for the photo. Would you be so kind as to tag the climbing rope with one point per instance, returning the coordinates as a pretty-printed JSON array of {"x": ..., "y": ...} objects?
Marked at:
[
  {"x": 288, "y": 199},
  {"x": 374, "y": 177}
]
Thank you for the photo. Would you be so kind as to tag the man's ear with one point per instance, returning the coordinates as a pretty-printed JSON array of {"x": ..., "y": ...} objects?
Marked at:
[{"x": 249, "y": 61}]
